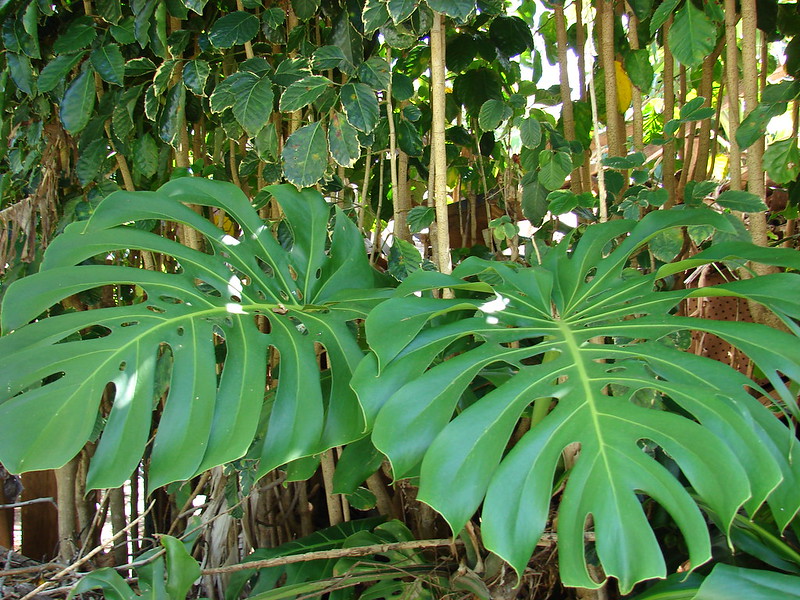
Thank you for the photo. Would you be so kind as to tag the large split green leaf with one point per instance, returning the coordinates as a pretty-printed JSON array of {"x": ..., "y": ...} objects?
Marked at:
[
  {"x": 574, "y": 340},
  {"x": 52, "y": 383}
]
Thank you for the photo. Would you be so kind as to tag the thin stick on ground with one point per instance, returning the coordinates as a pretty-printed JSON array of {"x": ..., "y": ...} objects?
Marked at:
[{"x": 74, "y": 566}]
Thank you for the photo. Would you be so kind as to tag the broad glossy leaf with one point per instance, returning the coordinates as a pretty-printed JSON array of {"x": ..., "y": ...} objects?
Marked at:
[
  {"x": 208, "y": 419},
  {"x": 782, "y": 161},
  {"x": 343, "y": 141},
  {"x": 232, "y": 29},
  {"x": 305, "y": 9},
  {"x": 78, "y": 103},
  {"x": 492, "y": 114},
  {"x": 374, "y": 15},
  {"x": 754, "y": 125},
  {"x": 727, "y": 581},
  {"x": 661, "y": 14},
  {"x": 400, "y": 10},
  {"x": 112, "y": 583},
  {"x": 741, "y": 201},
  {"x": 305, "y": 155},
  {"x": 530, "y": 132},
  {"x": 639, "y": 69},
  {"x": 328, "y": 57},
  {"x": 303, "y": 92},
  {"x": 252, "y": 104},
  {"x": 182, "y": 569},
  {"x": 459, "y": 9},
  {"x": 195, "y": 75},
  {"x": 692, "y": 36},
  {"x": 360, "y": 105},
  {"x": 730, "y": 448},
  {"x": 109, "y": 63},
  {"x": 511, "y": 35},
  {"x": 554, "y": 167},
  {"x": 375, "y": 73}
]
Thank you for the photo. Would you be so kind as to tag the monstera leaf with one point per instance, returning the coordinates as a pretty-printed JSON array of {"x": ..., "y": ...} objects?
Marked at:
[
  {"x": 52, "y": 381},
  {"x": 575, "y": 343}
]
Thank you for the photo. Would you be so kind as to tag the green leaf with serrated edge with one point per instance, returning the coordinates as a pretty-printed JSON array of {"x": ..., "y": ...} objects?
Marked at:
[
  {"x": 754, "y": 125},
  {"x": 78, "y": 103},
  {"x": 195, "y": 75},
  {"x": 731, "y": 449},
  {"x": 327, "y": 57},
  {"x": 530, "y": 132},
  {"x": 374, "y": 15},
  {"x": 554, "y": 167},
  {"x": 206, "y": 421},
  {"x": 56, "y": 70},
  {"x": 343, "y": 141},
  {"x": 109, "y": 63},
  {"x": 305, "y": 155},
  {"x": 782, "y": 161},
  {"x": 145, "y": 155},
  {"x": 510, "y": 35},
  {"x": 741, "y": 201},
  {"x": 110, "y": 10},
  {"x": 420, "y": 217},
  {"x": 163, "y": 77},
  {"x": 459, "y": 9},
  {"x": 252, "y": 106},
  {"x": 360, "y": 105},
  {"x": 173, "y": 118},
  {"x": 666, "y": 245},
  {"x": 90, "y": 160},
  {"x": 347, "y": 38},
  {"x": 375, "y": 73},
  {"x": 400, "y": 10},
  {"x": 21, "y": 71},
  {"x": 233, "y": 29},
  {"x": 290, "y": 70},
  {"x": 639, "y": 69},
  {"x": 303, "y": 92},
  {"x": 78, "y": 35},
  {"x": 492, "y": 114},
  {"x": 661, "y": 14},
  {"x": 727, "y": 581},
  {"x": 196, "y": 5},
  {"x": 692, "y": 36}
]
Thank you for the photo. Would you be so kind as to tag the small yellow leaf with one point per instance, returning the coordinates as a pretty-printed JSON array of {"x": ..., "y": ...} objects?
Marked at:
[{"x": 624, "y": 88}]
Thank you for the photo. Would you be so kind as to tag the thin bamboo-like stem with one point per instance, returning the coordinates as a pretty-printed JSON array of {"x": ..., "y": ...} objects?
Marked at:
[
  {"x": 605, "y": 22},
  {"x": 567, "y": 113},
  {"x": 668, "y": 163},
  {"x": 335, "y": 514},
  {"x": 638, "y": 118}
]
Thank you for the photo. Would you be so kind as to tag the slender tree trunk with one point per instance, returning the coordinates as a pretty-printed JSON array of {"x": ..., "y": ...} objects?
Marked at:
[
  {"x": 438, "y": 156},
  {"x": 732, "y": 79},
  {"x": 755, "y": 169},
  {"x": 605, "y": 22}
]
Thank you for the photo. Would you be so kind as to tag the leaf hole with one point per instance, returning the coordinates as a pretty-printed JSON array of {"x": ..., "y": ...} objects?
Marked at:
[
  {"x": 181, "y": 331},
  {"x": 170, "y": 299},
  {"x": 268, "y": 270},
  {"x": 318, "y": 274},
  {"x": 284, "y": 295},
  {"x": 155, "y": 309},
  {"x": 292, "y": 273},
  {"x": 122, "y": 365},
  {"x": 298, "y": 324},
  {"x": 236, "y": 298},
  {"x": 206, "y": 288},
  {"x": 129, "y": 323}
]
